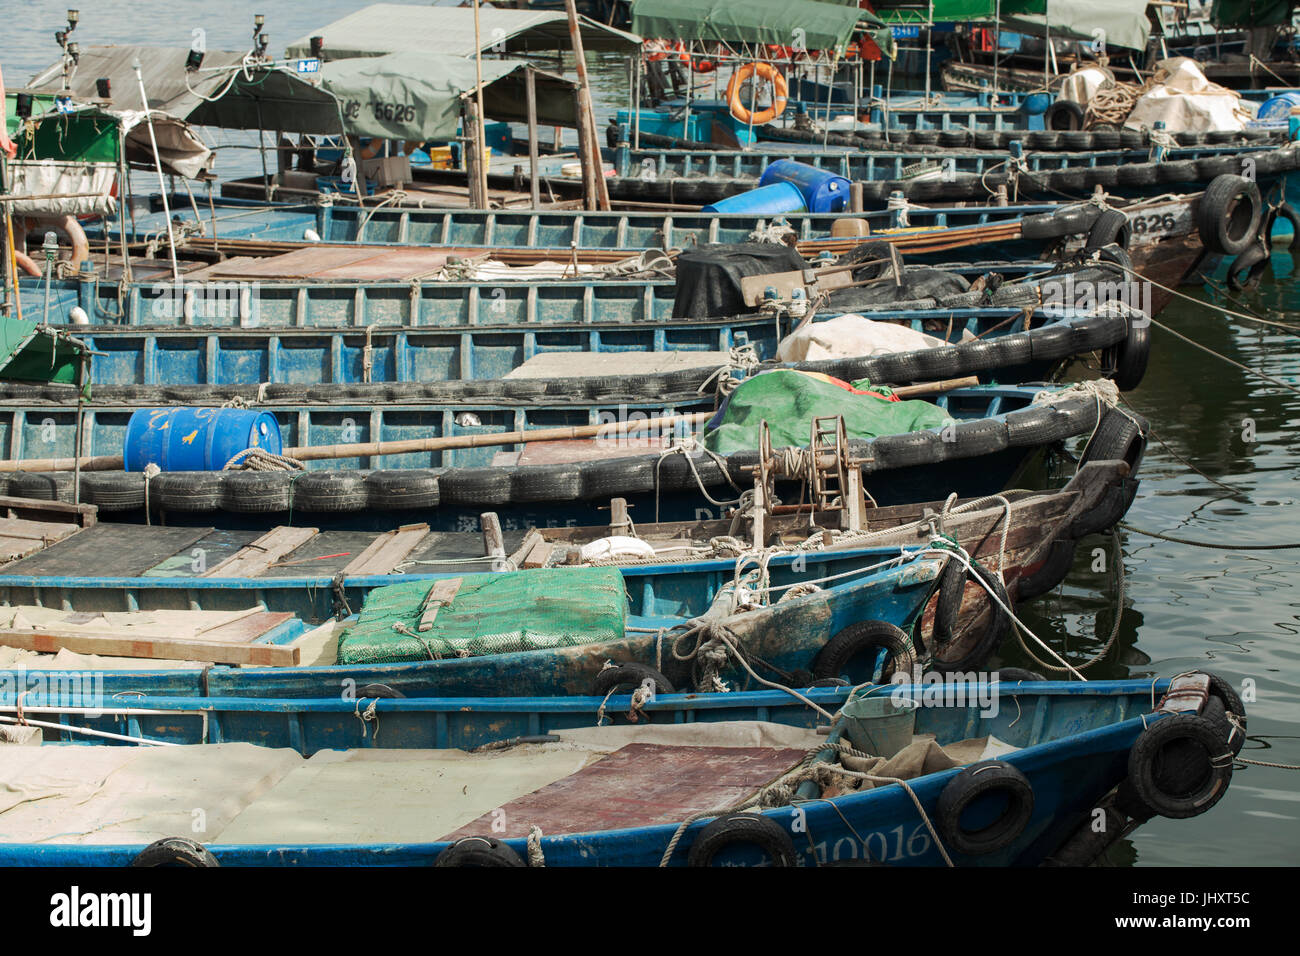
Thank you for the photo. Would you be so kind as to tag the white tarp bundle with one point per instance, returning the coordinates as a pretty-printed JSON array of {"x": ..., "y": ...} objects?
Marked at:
[
  {"x": 848, "y": 335},
  {"x": 1186, "y": 102},
  {"x": 1081, "y": 85},
  {"x": 56, "y": 187}
]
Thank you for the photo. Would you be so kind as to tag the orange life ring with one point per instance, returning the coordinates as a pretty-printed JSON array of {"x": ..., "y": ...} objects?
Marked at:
[{"x": 767, "y": 72}]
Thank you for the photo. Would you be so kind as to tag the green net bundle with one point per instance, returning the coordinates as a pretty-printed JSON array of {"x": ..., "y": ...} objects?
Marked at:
[{"x": 490, "y": 614}]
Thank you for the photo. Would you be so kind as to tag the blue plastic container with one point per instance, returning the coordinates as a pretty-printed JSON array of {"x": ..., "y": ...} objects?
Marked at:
[
  {"x": 822, "y": 191},
  {"x": 1278, "y": 108},
  {"x": 763, "y": 201},
  {"x": 196, "y": 439}
]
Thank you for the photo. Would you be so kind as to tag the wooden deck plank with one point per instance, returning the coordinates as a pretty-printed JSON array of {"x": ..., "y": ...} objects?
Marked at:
[
  {"x": 638, "y": 785},
  {"x": 119, "y": 550},
  {"x": 254, "y": 559},
  {"x": 387, "y": 551}
]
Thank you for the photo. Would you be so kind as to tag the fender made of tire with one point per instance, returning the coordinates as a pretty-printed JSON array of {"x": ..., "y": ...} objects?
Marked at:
[
  {"x": 1287, "y": 212},
  {"x": 479, "y": 851},
  {"x": 632, "y": 675},
  {"x": 1221, "y": 689},
  {"x": 1132, "y": 355},
  {"x": 859, "y": 638},
  {"x": 175, "y": 851},
  {"x": 1229, "y": 214},
  {"x": 1063, "y": 115},
  {"x": 743, "y": 828},
  {"x": 1179, "y": 795},
  {"x": 973, "y": 782},
  {"x": 1056, "y": 565},
  {"x": 985, "y": 643},
  {"x": 1112, "y": 226}
]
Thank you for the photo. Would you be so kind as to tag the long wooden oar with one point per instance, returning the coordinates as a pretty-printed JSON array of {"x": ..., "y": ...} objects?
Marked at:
[{"x": 375, "y": 449}]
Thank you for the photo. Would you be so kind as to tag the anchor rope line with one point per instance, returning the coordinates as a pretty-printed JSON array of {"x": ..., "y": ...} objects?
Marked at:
[{"x": 1207, "y": 544}]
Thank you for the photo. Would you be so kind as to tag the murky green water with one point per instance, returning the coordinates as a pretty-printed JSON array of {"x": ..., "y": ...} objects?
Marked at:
[{"x": 1233, "y": 612}]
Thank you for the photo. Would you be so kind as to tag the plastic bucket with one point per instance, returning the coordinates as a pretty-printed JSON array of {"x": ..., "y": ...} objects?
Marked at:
[
  {"x": 196, "y": 439},
  {"x": 764, "y": 201},
  {"x": 822, "y": 191},
  {"x": 1036, "y": 104},
  {"x": 878, "y": 725}
]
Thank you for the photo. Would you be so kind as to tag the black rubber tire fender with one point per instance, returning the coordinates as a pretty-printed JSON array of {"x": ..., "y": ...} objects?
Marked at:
[
  {"x": 1112, "y": 226},
  {"x": 1118, "y": 438},
  {"x": 990, "y": 638},
  {"x": 43, "y": 486},
  {"x": 860, "y": 639},
  {"x": 191, "y": 491},
  {"x": 951, "y": 590},
  {"x": 743, "y": 828},
  {"x": 1223, "y": 691},
  {"x": 113, "y": 490},
  {"x": 630, "y": 675},
  {"x": 256, "y": 492},
  {"x": 1132, "y": 355},
  {"x": 972, "y": 783},
  {"x": 175, "y": 851},
  {"x": 1177, "y": 742},
  {"x": 479, "y": 851},
  {"x": 1064, "y": 115},
  {"x": 403, "y": 488},
  {"x": 330, "y": 491},
  {"x": 1056, "y": 565},
  {"x": 1136, "y": 174},
  {"x": 1229, "y": 215}
]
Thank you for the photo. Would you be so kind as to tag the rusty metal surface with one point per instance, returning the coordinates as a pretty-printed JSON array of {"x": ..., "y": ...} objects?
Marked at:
[{"x": 638, "y": 785}]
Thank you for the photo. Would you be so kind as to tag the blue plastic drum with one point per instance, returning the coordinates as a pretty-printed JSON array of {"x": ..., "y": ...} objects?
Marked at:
[
  {"x": 196, "y": 439},
  {"x": 822, "y": 191},
  {"x": 764, "y": 201}
]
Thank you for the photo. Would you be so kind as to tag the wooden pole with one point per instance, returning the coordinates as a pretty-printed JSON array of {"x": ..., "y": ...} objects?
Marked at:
[
  {"x": 530, "y": 92},
  {"x": 477, "y": 180},
  {"x": 586, "y": 114},
  {"x": 481, "y": 131},
  {"x": 589, "y": 200}
]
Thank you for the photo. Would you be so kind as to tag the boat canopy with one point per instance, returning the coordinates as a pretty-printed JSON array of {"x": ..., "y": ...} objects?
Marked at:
[
  {"x": 95, "y": 133},
  {"x": 33, "y": 353},
  {"x": 818, "y": 25},
  {"x": 955, "y": 11},
  {"x": 393, "y": 27},
  {"x": 1252, "y": 13},
  {"x": 403, "y": 95},
  {"x": 1124, "y": 23}
]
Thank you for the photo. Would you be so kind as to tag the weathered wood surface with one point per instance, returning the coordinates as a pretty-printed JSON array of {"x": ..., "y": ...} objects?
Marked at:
[
  {"x": 109, "y": 550},
  {"x": 253, "y": 560},
  {"x": 387, "y": 551},
  {"x": 638, "y": 785}
]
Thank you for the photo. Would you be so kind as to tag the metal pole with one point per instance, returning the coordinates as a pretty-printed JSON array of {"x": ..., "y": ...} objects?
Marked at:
[
  {"x": 162, "y": 183},
  {"x": 997, "y": 42},
  {"x": 8, "y": 267}
]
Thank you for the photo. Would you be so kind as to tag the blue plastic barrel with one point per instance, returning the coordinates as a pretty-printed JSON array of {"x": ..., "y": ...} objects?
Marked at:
[
  {"x": 822, "y": 191},
  {"x": 196, "y": 439},
  {"x": 763, "y": 201},
  {"x": 1278, "y": 108}
]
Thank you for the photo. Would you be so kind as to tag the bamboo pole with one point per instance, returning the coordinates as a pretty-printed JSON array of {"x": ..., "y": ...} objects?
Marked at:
[
  {"x": 586, "y": 114},
  {"x": 480, "y": 131},
  {"x": 530, "y": 90},
  {"x": 404, "y": 447}
]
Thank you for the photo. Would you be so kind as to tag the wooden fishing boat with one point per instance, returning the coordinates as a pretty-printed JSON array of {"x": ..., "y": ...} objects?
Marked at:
[
  {"x": 1005, "y": 428},
  {"x": 1028, "y": 538},
  {"x": 1089, "y": 747}
]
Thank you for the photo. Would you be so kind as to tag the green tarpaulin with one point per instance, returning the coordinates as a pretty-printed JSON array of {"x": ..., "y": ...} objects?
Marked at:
[
  {"x": 28, "y": 354},
  {"x": 788, "y": 401},
  {"x": 85, "y": 135},
  {"x": 958, "y": 11},
  {"x": 1251, "y": 13},
  {"x": 496, "y": 613},
  {"x": 818, "y": 26},
  {"x": 1123, "y": 23}
]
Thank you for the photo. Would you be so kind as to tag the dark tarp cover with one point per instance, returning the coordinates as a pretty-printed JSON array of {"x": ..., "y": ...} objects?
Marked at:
[
  {"x": 1251, "y": 13},
  {"x": 708, "y": 277},
  {"x": 788, "y": 400},
  {"x": 818, "y": 26}
]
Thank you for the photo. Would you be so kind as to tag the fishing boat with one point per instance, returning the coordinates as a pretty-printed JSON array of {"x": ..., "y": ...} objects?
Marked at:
[
  {"x": 669, "y": 471},
  {"x": 1008, "y": 774},
  {"x": 310, "y": 576}
]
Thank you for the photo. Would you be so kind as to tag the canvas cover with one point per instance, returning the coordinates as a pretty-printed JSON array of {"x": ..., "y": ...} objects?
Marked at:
[
  {"x": 30, "y": 354},
  {"x": 495, "y": 613},
  {"x": 789, "y": 400},
  {"x": 1123, "y": 23},
  {"x": 1185, "y": 101},
  {"x": 1251, "y": 13},
  {"x": 817, "y": 25},
  {"x": 847, "y": 336}
]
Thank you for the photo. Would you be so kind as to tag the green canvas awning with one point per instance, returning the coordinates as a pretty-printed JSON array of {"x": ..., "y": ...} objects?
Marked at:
[
  {"x": 407, "y": 95},
  {"x": 29, "y": 353},
  {"x": 394, "y": 27},
  {"x": 820, "y": 26},
  {"x": 86, "y": 134},
  {"x": 959, "y": 11},
  {"x": 1124, "y": 21}
]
